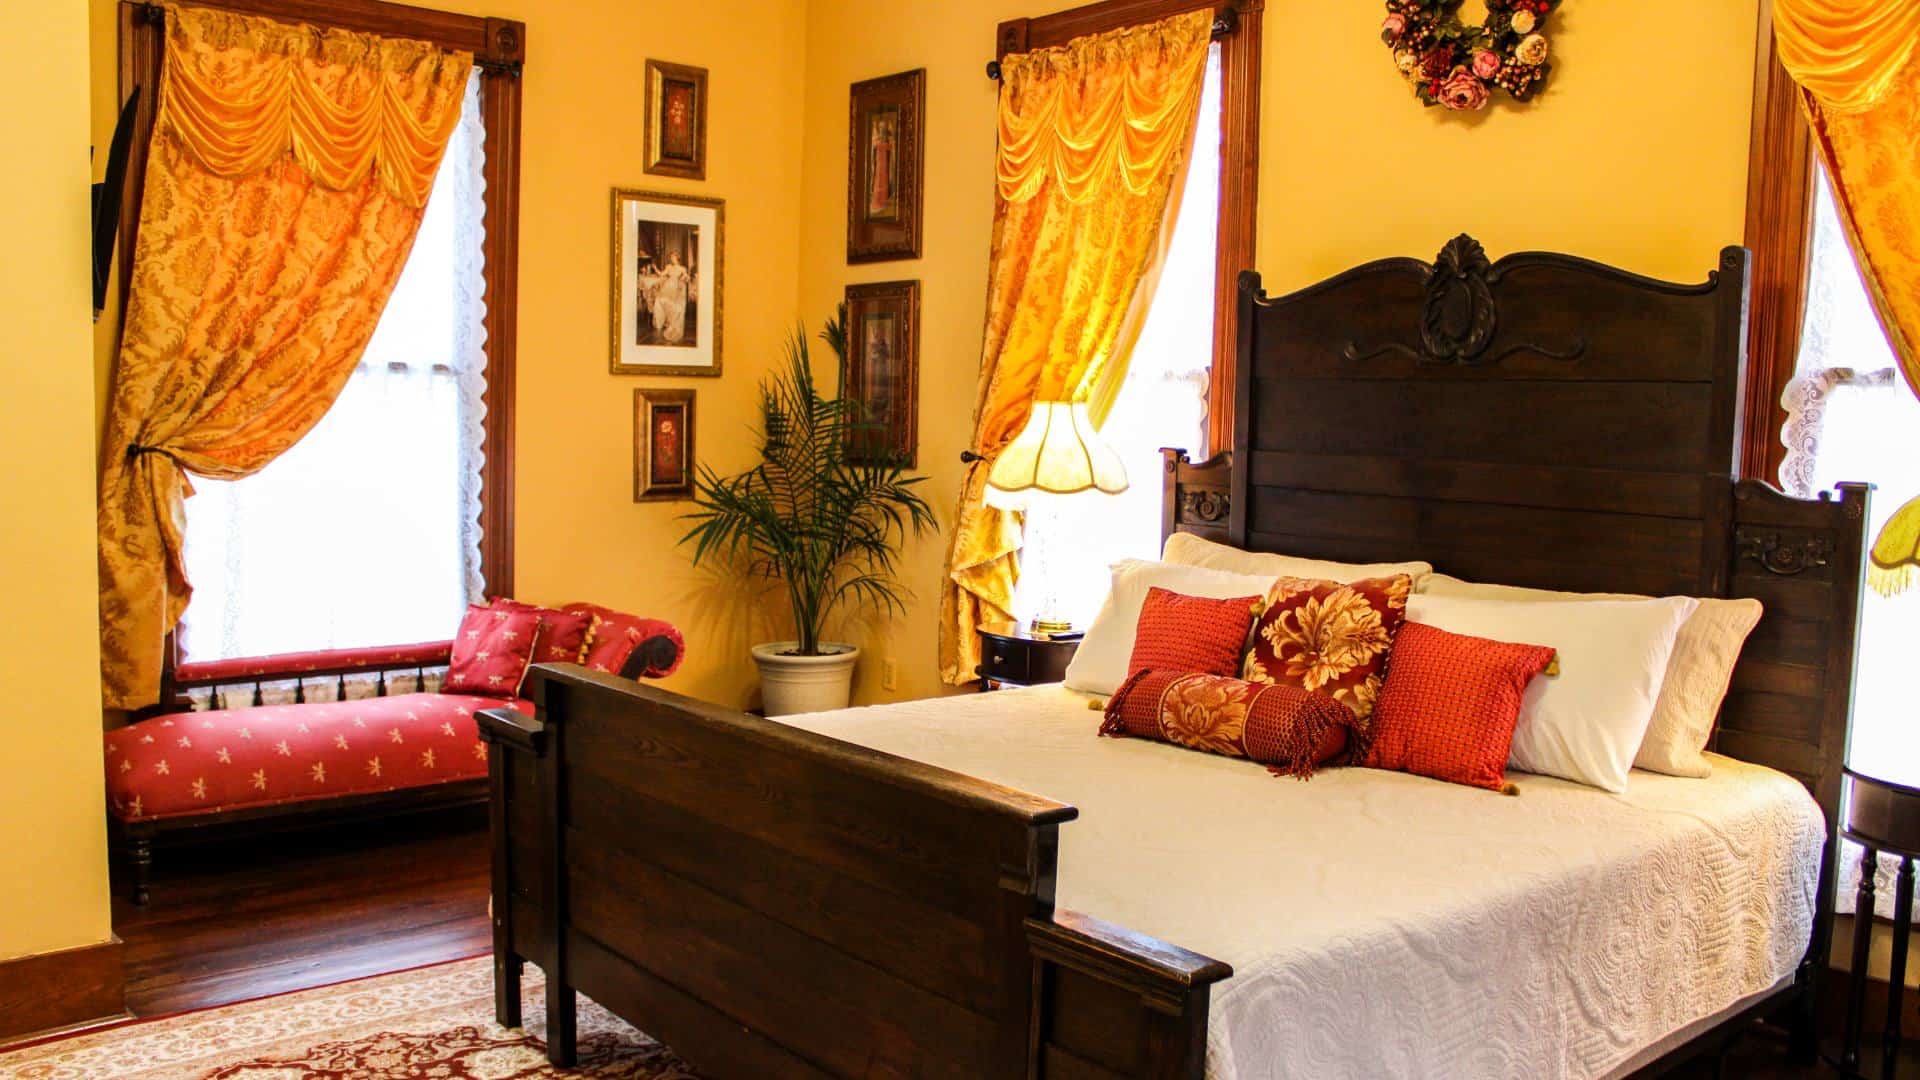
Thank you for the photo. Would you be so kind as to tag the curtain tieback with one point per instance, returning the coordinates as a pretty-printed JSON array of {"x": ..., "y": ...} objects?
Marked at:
[{"x": 135, "y": 450}]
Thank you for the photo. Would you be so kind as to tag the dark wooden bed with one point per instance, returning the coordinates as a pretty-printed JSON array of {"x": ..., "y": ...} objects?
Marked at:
[{"x": 772, "y": 902}]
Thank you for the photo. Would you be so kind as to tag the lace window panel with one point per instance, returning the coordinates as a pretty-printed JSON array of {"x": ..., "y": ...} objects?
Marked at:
[
  {"x": 367, "y": 532},
  {"x": 1851, "y": 417},
  {"x": 1163, "y": 402}
]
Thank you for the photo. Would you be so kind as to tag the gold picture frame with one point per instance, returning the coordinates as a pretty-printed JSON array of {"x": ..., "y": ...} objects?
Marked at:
[
  {"x": 668, "y": 267},
  {"x": 676, "y": 122},
  {"x": 886, "y": 156},
  {"x": 663, "y": 425},
  {"x": 883, "y": 372}
]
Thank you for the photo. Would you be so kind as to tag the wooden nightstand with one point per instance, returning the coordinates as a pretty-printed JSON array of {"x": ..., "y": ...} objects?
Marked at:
[
  {"x": 1882, "y": 816},
  {"x": 1011, "y": 655}
]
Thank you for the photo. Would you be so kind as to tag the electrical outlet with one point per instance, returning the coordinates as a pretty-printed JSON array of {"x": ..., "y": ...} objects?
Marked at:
[{"x": 890, "y": 674}]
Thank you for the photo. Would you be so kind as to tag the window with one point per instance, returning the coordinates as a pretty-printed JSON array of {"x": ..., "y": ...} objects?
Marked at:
[
  {"x": 1850, "y": 416},
  {"x": 368, "y": 531},
  {"x": 1163, "y": 402}
]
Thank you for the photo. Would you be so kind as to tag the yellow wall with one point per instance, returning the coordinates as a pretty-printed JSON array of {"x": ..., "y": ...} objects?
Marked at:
[
  {"x": 579, "y": 535},
  {"x": 1637, "y": 156},
  {"x": 52, "y": 830}
]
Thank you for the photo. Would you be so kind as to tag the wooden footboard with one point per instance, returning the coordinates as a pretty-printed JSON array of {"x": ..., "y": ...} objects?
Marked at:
[{"x": 771, "y": 902}]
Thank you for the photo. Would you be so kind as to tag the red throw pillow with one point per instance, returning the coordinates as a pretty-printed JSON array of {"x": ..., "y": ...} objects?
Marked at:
[
  {"x": 492, "y": 651},
  {"x": 563, "y": 639},
  {"x": 1330, "y": 637},
  {"x": 1449, "y": 705},
  {"x": 1288, "y": 729},
  {"x": 1177, "y": 632}
]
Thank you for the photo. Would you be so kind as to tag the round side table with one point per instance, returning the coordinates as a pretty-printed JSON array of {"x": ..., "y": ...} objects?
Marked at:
[{"x": 1881, "y": 816}]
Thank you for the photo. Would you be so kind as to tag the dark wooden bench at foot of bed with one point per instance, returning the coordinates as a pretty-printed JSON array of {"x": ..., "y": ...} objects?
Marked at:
[{"x": 771, "y": 902}]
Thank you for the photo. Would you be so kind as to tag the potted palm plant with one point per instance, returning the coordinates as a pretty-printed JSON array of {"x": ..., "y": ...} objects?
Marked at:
[{"x": 826, "y": 526}]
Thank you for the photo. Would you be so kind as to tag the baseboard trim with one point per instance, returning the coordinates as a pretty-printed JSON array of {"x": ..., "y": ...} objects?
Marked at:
[{"x": 61, "y": 989}]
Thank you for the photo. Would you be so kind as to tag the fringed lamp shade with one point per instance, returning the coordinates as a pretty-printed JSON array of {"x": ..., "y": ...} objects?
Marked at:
[
  {"x": 1057, "y": 453},
  {"x": 1893, "y": 566}
]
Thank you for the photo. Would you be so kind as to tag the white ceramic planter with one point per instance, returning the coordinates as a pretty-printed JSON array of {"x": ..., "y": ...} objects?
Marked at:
[{"x": 804, "y": 684}]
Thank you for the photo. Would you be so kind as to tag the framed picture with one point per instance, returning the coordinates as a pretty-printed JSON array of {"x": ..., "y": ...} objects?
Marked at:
[
  {"x": 667, "y": 252},
  {"x": 676, "y": 128},
  {"x": 662, "y": 445},
  {"x": 883, "y": 370},
  {"x": 885, "y": 151}
]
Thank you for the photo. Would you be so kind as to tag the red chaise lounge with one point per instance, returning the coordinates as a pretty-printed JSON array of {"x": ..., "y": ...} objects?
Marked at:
[{"x": 205, "y": 774}]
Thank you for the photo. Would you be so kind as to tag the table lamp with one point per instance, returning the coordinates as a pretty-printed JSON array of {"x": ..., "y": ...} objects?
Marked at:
[
  {"x": 1058, "y": 454},
  {"x": 1893, "y": 566}
]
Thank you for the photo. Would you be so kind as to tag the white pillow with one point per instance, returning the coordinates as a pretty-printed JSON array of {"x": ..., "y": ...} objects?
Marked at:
[
  {"x": 1099, "y": 666},
  {"x": 1587, "y": 722},
  {"x": 1187, "y": 549},
  {"x": 1698, "y": 673}
]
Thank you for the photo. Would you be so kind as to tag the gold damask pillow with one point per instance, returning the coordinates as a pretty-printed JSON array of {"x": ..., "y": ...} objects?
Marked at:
[{"x": 1329, "y": 637}]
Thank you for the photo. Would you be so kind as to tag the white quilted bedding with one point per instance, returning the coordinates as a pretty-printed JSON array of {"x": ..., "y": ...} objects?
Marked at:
[{"x": 1382, "y": 925}]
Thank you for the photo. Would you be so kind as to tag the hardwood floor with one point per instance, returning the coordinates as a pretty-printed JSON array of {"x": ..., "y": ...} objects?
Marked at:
[{"x": 296, "y": 910}]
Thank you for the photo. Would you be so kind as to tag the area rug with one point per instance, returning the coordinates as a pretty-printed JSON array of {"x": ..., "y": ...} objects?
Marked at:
[{"x": 430, "y": 1022}]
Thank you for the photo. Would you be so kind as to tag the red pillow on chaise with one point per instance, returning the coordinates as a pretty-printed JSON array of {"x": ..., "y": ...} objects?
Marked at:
[
  {"x": 1449, "y": 704},
  {"x": 564, "y": 640},
  {"x": 1194, "y": 634},
  {"x": 615, "y": 635},
  {"x": 492, "y": 651}
]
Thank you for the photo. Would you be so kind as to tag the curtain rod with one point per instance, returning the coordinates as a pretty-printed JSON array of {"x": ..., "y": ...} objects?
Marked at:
[{"x": 1226, "y": 22}]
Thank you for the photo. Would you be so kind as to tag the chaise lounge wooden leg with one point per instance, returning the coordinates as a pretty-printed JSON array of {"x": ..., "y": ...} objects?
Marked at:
[{"x": 140, "y": 870}]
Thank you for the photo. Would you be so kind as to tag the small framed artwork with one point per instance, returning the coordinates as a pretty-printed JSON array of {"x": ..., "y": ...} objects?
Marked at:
[
  {"x": 883, "y": 371},
  {"x": 676, "y": 127},
  {"x": 667, "y": 252},
  {"x": 885, "y": 152},
  {"x": 662, "y": 445}
]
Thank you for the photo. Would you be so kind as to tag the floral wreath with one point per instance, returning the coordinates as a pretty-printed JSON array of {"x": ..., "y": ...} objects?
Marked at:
[{"x": 1457, "y": 66}]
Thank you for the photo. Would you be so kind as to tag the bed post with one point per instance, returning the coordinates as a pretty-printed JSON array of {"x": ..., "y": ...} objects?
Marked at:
[{"x": 1791, "y": 702}]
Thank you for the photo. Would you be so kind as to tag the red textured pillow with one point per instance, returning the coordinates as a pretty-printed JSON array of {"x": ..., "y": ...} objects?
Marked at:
[
  {"x": 492, "y": 651},
  {"x": 563, "y": 640},
  {"x": 1449, "y": 705},
  {"x": 1288, "y": 729},
  {"x": 1194, "y": 634},
  {"x": 1329, "y": 636}
]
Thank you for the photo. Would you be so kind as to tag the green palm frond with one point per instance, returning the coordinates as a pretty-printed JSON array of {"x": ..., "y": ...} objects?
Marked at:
[{"x": 828, "y": 527}]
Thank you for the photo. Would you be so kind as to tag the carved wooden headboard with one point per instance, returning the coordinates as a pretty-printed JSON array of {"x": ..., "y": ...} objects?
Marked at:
[{"x": 1545, "y": 421}]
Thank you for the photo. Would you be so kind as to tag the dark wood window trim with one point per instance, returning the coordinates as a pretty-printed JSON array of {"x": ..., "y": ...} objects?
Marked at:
[
  {"x": 1779, "y": 228},
  {"x": 1238, "y": 31},
  {"x": 499, "y": 50}
]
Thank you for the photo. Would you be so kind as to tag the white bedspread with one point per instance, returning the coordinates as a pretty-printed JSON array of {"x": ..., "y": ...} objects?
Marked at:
[{"x": 1383, "y": 925}]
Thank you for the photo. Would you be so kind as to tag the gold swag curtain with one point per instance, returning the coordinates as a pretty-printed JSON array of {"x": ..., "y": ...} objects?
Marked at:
[
  {"x": 1094, "y": 138},
  {"x": 287, "y": 175},
  {"x": 1857, "y": 63}
]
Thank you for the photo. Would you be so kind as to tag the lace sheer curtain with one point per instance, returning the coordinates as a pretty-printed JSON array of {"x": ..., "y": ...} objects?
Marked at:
[
  {"x": 1163, "y": 402},
  {"x": 1850, "y": 417},
  {"x": 367, "y": 532}
]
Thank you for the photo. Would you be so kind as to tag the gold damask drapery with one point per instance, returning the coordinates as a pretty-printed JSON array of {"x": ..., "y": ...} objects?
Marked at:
[
  {"x": 287, "y": 175},
  {"x": 1094, "y": 140},
  {"x": 1857, "y": 63}
]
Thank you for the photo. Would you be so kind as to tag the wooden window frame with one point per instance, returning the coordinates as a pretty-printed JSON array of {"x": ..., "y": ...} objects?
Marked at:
[
  {"x": 1779, "y": 233},
  {"x": 1237, "y": 28},
  {"x": 499, "y": 50}
]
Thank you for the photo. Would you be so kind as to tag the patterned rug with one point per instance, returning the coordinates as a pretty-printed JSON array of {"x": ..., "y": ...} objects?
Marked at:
[{"x": 431, "y": 1022}]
